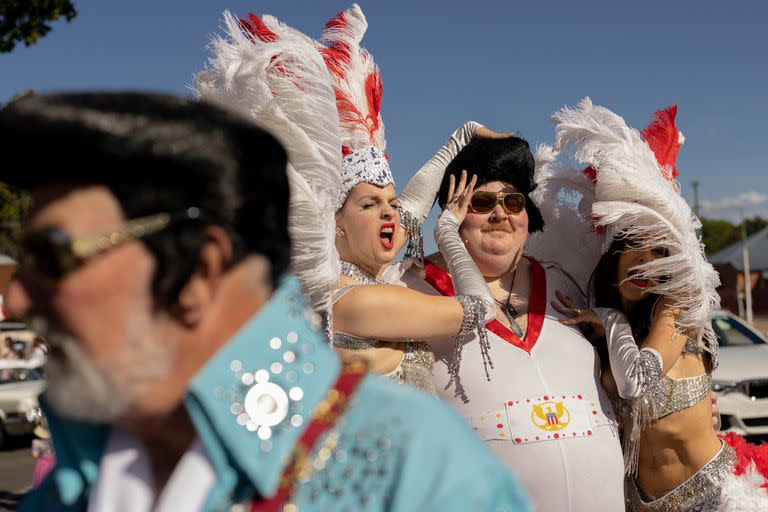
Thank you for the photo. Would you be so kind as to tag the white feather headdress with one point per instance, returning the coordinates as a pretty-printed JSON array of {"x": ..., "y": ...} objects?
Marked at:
[
  {"x": 357, "y": 84},
  {"x": 275, "y": 75},
  {"x": 628, "y": 190},
  {"x": 564, "y": 197},
  {"x": 322, "y": 101}
]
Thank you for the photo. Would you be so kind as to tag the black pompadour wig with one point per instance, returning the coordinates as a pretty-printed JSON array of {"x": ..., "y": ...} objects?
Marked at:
[
  {"x": 508, "y": 160},
  {"x": 158, "y": 153}
]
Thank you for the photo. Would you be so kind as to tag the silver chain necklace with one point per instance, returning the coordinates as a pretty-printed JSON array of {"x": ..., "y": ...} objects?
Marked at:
[
  {"x": 510, "y": 311},
  {"x": 358, "y": 274}
]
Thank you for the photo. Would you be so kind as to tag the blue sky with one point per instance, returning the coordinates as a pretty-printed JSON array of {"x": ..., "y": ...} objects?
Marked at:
[{"x": 506, "y": 64}]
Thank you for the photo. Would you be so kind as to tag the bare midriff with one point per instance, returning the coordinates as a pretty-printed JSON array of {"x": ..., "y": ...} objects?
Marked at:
[{"x": 676, "y": 446}]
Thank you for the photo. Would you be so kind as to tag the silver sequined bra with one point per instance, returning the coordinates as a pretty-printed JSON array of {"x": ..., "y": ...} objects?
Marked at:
[
  {"x": 700, "y": 493},
  {"x": 672, "y": 395},
  {"x": 414, "y": 369}
]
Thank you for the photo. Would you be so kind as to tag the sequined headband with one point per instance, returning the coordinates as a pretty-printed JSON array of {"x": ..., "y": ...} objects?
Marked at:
[{"x": 367, "y": 165}]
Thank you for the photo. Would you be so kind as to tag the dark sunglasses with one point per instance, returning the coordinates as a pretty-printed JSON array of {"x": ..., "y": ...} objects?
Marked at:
[
  {"x": 484, "y": 202},
  {"x": 51, "y": 253}
]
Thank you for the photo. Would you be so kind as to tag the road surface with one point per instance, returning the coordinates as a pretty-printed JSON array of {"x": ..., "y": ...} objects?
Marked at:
[{"x": 16, "y": 466}]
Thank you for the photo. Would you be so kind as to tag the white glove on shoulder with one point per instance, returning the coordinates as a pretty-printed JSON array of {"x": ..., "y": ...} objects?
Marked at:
[{"x": 635, "y": 371}]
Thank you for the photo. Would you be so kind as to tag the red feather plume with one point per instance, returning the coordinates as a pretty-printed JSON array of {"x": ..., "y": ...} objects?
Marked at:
[
  {"x": 336, "y": 54},
  {"x": 351, "y": 66},
  {"x": 664, "y": 140},
  {"x": 254, "y": 26}
]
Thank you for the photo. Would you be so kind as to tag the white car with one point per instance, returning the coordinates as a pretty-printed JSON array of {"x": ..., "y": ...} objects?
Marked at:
[
  {"x": 19, "y": 410},
  {"x": 741, "y": 378}
]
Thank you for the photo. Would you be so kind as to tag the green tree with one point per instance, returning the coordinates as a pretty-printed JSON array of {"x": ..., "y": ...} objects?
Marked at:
[
  {"x": 29, "y": 20},
  {"x": 14, "y": 205},
  {"x": 717, "y": 234},
  {"x": 754, "y": 225}
]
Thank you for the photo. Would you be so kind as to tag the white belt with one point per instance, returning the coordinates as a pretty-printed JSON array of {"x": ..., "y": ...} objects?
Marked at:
[{"x": 542, "y": 418}]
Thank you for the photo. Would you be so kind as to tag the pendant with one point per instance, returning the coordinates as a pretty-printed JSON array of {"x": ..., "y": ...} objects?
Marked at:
[
  {"x": 511, "y": 311},
  {"x": 512, "y": 315},
  {"x": 515, "y": 327}
]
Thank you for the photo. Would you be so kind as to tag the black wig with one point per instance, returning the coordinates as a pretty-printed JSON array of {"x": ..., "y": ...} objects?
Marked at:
[{"x": 508, "y": 160}]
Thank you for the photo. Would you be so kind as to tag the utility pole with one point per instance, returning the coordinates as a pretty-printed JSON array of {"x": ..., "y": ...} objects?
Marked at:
[
  {"x": 696, "y": 204},
  {"x": 747, "y": 273}
]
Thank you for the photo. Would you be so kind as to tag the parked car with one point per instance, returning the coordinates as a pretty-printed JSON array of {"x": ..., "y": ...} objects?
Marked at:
[
  {"x": 19, "y": 410},
  {"x": 741, "y": 378}
]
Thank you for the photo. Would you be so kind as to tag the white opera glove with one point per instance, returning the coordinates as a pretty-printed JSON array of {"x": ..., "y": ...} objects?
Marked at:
[
  {"x": 418, "y": 196},
  {"x": 635, "y": 371},
  {"x": 467, "y": 279},
  {"x": 473, "y": 294}
]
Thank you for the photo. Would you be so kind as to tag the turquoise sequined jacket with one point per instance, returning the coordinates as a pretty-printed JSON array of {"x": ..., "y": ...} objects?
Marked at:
[{"x": 396, "y": 448}]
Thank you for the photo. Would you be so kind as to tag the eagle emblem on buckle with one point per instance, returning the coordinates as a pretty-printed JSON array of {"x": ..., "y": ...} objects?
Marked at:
[{"x": 550, "y": 416}]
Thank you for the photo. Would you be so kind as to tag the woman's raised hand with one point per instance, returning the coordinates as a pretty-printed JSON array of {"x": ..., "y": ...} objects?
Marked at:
[
  {"x": 460, "y": 195},
  {"x": 576, "y": 315}
]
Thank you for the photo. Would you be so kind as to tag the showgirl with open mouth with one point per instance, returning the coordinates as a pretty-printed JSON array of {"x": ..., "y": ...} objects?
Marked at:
[
  {"x": 322, "y": 100},
  {"x": 654, "y": 294}
]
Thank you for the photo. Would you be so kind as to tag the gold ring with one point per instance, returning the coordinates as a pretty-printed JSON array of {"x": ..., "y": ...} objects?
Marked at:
[{"x": 576, "y": 312}]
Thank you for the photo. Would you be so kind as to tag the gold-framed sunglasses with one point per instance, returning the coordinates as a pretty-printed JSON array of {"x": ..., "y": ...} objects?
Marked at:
[
  {"x": 51, "y": 253},
  {"x": 484, "y": 202}
]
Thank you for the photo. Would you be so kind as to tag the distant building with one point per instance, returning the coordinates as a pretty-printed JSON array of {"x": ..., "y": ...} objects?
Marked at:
[{"x": 729, "y": 262}]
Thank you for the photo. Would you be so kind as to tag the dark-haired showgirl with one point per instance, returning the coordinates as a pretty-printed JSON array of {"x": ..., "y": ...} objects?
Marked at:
[{"x": 654, "y": 293}]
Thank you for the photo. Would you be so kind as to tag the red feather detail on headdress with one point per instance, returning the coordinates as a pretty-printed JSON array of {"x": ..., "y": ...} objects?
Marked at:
[
  {"x": 336, "y": 58},
  {"x": 336, "y": 55},
  {"x": 352, "y": 67},
  {"x": 254, "y": 26},
  {"x": 345, "y": 151},
  {"x": 373, "y": 90},
  {"x": 592, "y": 219},
  {"x": 257, "y": 29},
  {"x": 591, "y": 173},
  {"x": 348, "y": 112},
  {"x": 664, "y": 140},
  {"x": 338, "y": 22}
]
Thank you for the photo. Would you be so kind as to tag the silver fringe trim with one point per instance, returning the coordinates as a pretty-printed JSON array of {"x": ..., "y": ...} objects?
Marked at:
[
  {"x": 474, "y": 313},
  {"x": 640, "y": 412},
  {"x": 409, "y": 222}
]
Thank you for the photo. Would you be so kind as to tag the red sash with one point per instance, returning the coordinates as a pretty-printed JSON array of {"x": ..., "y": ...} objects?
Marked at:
[{"x": 326, "y": 415}]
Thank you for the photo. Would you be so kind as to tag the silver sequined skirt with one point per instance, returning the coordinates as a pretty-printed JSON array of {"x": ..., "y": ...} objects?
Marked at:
[{"x": 700, "y": 493}]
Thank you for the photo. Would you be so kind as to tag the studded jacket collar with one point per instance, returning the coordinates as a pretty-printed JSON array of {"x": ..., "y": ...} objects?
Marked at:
[{"x": 248, "y": 404}]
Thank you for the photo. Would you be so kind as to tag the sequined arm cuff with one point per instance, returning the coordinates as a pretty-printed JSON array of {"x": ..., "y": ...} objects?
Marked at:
[
  {"x": 474, "y": 315},
  {"x": 642, "y": 410},
  {"x": 409, "y": 222},
  {"x": 647, "y": 370}
]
